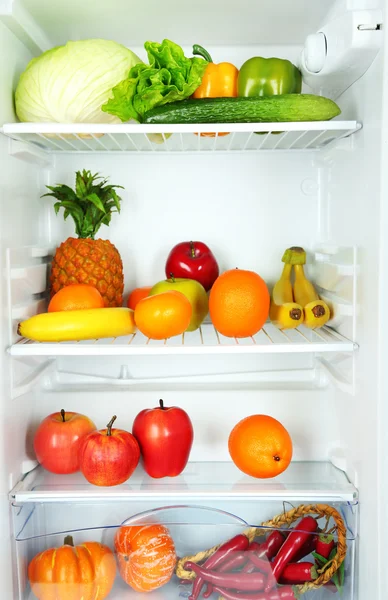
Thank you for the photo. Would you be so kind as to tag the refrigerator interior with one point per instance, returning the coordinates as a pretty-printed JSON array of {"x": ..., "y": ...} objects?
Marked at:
[{"x": 249, "y": 204}]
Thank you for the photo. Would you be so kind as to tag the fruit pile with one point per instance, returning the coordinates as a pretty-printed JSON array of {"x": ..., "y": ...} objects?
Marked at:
[
  {"x": 67, "y": 442},
  {"x": 87, "y": 284}
]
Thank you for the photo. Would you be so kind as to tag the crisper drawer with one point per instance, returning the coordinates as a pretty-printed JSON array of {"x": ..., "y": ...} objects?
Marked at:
[{"x": 151, "y": 542}]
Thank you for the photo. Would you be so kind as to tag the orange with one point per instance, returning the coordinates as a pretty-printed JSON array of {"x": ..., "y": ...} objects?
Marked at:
[
  {"x": 138, "y": 294},
  {"x": 163, "y": 315},
  {"x": 239, "y": 303},
  {"x": 76, "y": 297},
  {"x": 260, "y": 446}
]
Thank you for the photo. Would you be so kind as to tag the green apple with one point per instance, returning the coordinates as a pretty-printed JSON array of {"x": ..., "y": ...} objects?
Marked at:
[{"x": 194, "y": 292}]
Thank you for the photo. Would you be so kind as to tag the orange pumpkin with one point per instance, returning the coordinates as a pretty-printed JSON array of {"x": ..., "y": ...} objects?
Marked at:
[
  {"x": 146, "y": 556},
  {"x": 84, "y": 572}
]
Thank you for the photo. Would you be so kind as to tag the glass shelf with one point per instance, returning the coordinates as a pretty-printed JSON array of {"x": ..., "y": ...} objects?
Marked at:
[{"x": 307, "y": 481}]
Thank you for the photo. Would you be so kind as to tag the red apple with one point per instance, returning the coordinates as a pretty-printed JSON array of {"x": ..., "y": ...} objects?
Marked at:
[
  {"x": 165, "y": 436},
  {"x": 193, "y": 260},
  {"x": 58, "y": 439},
  {"x": 109, "y": 456}
]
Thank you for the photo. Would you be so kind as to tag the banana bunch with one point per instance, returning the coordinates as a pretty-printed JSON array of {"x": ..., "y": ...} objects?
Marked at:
[
  {"x": 74, "y": 325},
  {"x": 299, "y": 303}
]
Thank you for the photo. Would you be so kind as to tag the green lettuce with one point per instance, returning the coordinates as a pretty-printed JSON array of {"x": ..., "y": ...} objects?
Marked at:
[{"x": 169, "y": 77}]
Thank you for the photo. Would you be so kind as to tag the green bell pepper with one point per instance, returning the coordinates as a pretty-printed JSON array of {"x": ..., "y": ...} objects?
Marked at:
[{"x": 268, "y": 77}]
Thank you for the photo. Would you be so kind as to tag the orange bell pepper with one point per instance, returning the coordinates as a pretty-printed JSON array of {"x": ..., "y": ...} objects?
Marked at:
[{"x": 219, "y": 81}]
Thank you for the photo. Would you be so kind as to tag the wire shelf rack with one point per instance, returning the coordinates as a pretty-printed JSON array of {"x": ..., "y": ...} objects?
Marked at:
[
  {"x": 241, "y": 137},
  {"x": 205, "y": 340}
]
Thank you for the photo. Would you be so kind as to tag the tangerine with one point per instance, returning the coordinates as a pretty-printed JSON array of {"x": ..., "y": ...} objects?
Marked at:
[
  {"x": 163, "y": 315},
  {"x": 146, "y": 556},
  {"x": 78, "y": 296},
  {"x": 260, "y": 446},
  {"x": 138, "y": 294},
  {"x": 239, "y": 303}
]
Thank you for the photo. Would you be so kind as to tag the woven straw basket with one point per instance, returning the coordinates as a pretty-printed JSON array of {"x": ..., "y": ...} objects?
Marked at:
[{"x": 287, "y": 518}]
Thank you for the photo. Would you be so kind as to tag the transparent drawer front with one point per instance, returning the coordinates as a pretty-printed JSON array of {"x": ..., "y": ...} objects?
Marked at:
[{"x": 165, "y": 552}]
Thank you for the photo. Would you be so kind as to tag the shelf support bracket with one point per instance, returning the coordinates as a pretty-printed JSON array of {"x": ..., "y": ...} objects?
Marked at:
[
  {"x": 30, "y": 153},
  {"x": 337, "y": 377},
  {"x": 29, "y": 382}
]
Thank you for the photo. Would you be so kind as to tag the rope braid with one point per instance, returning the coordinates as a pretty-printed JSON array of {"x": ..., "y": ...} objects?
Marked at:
[{"x": 287, "y": 518}]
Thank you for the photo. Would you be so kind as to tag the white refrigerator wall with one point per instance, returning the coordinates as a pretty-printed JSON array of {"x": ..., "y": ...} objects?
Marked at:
[
  {"x": 232, "y": 24},
  {"x": 382, "y": 409},
  {"x": 19, "y": 225},
  {"x": 355, "y": 209}
]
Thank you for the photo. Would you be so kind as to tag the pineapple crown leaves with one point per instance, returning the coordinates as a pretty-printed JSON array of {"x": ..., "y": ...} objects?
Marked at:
[{"x": 90, "y": 205}]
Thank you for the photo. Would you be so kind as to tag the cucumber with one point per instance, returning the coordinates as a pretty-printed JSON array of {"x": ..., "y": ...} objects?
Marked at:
[{"x": 265, "y": 109}]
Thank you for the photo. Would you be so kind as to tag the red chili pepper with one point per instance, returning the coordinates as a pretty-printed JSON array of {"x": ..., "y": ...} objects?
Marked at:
[
  {"x": 297, "y": 538},
  {"x": 298, "y": 573},
  {"x": 307, "y": 548},
  {"x": 282, "y": 593},
  {"x": 236, "y": 562},
  {"x": 272, "y": 545},
  {"x": 268, "y": 549},
  {"x": 250, "y": 567},
  {"x": 238, "y": 543},
  {"x": 254, "y": 547},
  {"x": 244, "y": 582},
  {"x": 324, "y": 545},
  {"x": 261, "y": 564}
]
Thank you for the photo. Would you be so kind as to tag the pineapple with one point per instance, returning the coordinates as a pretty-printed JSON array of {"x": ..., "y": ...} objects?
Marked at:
[{"x": 86, "y": 260}]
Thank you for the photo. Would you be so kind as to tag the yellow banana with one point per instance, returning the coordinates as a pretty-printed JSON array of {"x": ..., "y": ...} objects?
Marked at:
[
  {"x": 74, "y": 325},
  {"x": 286, "y": 316},
  {"x": 284, "y": 312},
  {"x": 316, "y": 311},
  {"x": 282, "y": 290},
  {"x": 316, "y": 314}
]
